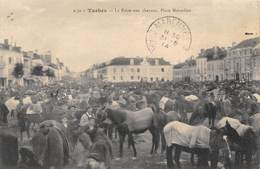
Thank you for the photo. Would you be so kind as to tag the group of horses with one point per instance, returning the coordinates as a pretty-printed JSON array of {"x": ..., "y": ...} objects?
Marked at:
[
  {"x": 54, "y": 142},
  {"x": 224, "y": 138}
]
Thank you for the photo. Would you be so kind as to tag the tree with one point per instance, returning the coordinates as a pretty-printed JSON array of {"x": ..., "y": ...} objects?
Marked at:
[
  {"x": 18, "y": 71},
  {"x": 38, "y": 70},
  {"x": 50, "y": 73}
]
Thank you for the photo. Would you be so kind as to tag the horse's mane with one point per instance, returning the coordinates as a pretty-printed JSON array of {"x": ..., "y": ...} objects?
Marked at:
[{"x": 116, "y": 115}]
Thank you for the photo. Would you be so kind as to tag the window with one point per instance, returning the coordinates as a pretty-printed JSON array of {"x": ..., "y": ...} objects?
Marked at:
[
  {"x": 138, "y": 77},
  {"x": 2, "y": 59},
  {"x": 162, "y": 79},
  {"x": 10, "y": 60},
  {"x": 114, "y": 78},
  {"x": 132, "y": 77},
  {"x": 114, "y": 70},
  {"x": 138, "y": 70},
  {"x": 121, "y": 77},
  {"x": 162, "y": 69},
  {"x": 151, "y": 79}
]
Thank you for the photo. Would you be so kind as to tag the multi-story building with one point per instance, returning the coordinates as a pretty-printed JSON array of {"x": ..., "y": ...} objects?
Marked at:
[
  {"x": 215, "y": 66},
  {"x": 9, "y": 57},
  {"x": 185, "y": 71},
  {"x": 122, "y": 69},
  {"x": 239, "y": 63},
  {"x": 201, "y": 67},
  {"x": 256, "y": 62}
]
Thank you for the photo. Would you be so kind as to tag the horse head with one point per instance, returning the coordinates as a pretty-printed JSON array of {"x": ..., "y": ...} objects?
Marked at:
[
  {"x": 219, "y": 141},
  {"x": 232, "y": 133}
]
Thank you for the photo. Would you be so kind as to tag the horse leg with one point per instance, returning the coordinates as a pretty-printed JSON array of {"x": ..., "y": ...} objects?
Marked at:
[
  {"x": 154, "y": 146},
  {"x": 170, "y": 164},
  {"x": 129, "y": 142},
  {"x": 21, "y": 135},
  {"x": 248, "y": 159},
  {"x": 192, "y": 158},
  {"x": 237, "y": 160},
  {"x": 121, "y": 140},
  {"x": 163, "y": 142},
  {"x": 116, "y": 132},
  {"x": 132, "y": 142},
  {"x": 27, "y": 127},
  {"x": 177, "y": 155},
  {"x": 157, "y": 139},
  {"x": 110, "y": 132}
]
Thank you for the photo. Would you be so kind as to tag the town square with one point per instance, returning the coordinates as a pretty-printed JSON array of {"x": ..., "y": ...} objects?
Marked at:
[{"x": 107, "y": 84}]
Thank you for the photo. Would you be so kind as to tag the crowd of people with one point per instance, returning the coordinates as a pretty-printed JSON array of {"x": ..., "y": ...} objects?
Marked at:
[{"x": 71, "y": 101}]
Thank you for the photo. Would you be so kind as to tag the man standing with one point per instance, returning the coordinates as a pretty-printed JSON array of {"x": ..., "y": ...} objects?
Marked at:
[{"x": 211, "y": 109}]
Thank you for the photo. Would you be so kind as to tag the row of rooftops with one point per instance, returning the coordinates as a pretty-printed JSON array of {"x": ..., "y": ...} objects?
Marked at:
[
  {"x": 124, "y": 61},
  {"x": 29, "y": 54},
  {"x": 218, "y": 53}
]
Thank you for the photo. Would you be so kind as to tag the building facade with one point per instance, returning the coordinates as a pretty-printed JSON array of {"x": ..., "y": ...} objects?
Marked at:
[
  {"x": 185, "y": 71},
  {"x": 9, "y": 57},
  {"x": 137, "y": 69},
  {"x": 239, "y": 62}
]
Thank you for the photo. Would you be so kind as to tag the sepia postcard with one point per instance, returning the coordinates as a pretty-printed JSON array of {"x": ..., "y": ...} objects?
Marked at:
[{"x": 130, "y": 84}]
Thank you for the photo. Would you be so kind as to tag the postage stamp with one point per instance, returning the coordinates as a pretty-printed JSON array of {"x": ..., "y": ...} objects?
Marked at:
[{"x": 168, "y": 33}]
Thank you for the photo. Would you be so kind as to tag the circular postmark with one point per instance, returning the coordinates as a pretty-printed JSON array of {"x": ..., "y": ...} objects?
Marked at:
[{"x": 168, "y": 33}]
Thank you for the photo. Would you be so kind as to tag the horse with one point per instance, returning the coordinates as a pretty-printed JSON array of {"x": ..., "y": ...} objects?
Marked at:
[
  {"x": 199, "y": 140},
  {"x": 129, "y": 123},
  {"x": 242, "y": 137},
  {"x": 165, "y": 118}
]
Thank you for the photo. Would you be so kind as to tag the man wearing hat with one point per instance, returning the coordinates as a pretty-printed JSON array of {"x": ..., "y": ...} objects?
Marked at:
[{"x": 85, "y": 119}]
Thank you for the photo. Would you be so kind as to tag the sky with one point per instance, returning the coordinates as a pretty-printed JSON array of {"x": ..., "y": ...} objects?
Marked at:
[{"x": 81, "y": 39}]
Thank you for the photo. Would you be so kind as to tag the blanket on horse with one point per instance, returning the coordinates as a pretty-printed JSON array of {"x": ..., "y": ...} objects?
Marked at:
[
  {"x": 34, "y": 109},
  {"x": 191, "y": 98},
  {"x": 239, "y": 127},
  {"x": 186, "y": 135},
  {"x": 139, "y": 120},
  {"x": 163, "y": 101},
  {"x": 11, "y": 103}
]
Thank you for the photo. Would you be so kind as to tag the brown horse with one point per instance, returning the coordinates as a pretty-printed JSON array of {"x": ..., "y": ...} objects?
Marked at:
[{"x": 129, "y": 123}]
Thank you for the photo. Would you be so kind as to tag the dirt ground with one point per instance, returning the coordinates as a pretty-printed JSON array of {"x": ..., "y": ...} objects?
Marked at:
[{"x": 144, "y": 159}]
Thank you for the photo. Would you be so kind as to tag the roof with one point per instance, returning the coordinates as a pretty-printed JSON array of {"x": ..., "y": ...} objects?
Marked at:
[
  {"x": 137, "y": 61},
  {"x": 214, "y": 53},
  {"x": 247, "y": 43},
  {"x": 189, "y": 63}
]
